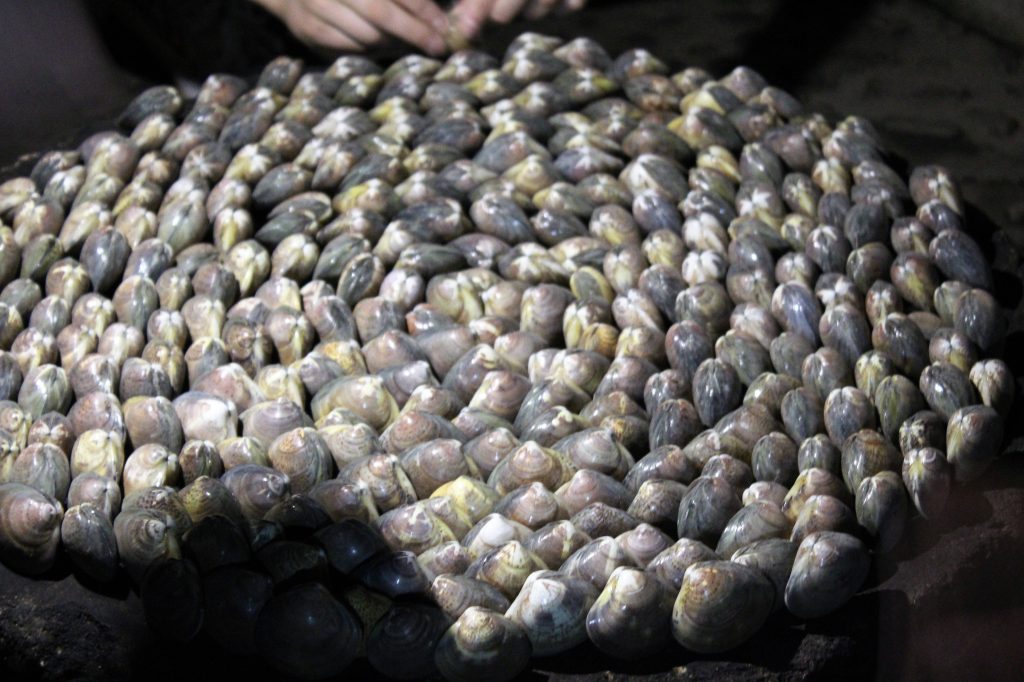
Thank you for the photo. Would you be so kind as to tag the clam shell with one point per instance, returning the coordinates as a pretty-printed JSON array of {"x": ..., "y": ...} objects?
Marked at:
[
  {"x": 720, "y": 605},
  {"x": 30, "y": 523},
  {"x": 829, "y": 569},
  {"x": 552, "y": 608},
  {"x": 630, "y": 618},
  {"x": 482, "y": 643}
]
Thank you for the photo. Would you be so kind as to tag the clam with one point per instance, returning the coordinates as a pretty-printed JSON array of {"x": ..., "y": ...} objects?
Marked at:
[
  {"x": 30, "y": 528},
  {"x": 482, "y": 643},
  {"x": 994, "y": 383},
  {"x": 306, "y": 631},
  {"x": 848, "y": 410},
  {"x": 489, "y": 448},
  {"x": 774, "y": 458},
  {"x": 811, "y": 482},
  {"x": 720, "y": 605},
  {"x": 951, "y": 346},
  {"x": 45, "y": 389},
  {"x": 215, "y": 542},
  {"x": 864, "y": 454},
  {"x": 152, "y": 420},
  {"x": 706, "y": 508},
  {"x": 829, "y": 569},
  {"x": 145, "y": 537},
  {"x": 205, "y": 497},
  {"x": 150, "y": 465},
  {"x": 552, "y": 609},
  {"x": 341, "y": 500},
  {"x": 656, "y": 502},
  {"x": 385, "y": 479},
  {"x": 946, "y": 388},
  {"x": 348, "y": 544},
  {"x": 802, "y": 414},
  {"x": 256, "y": 488},
  {"x": 882, "y": 508},
  {"x": 493, "y": 531},
  {"x": 100, "y": 452},
  {"x": 87, "y": 535},
  {"x": 822, "y": 512},
  {"x": 236, "y": 451},
  {"x": 99, "y": 491},
  {"x": 392, "y": 574},
  {"x": 825, "y": 370},
  {"x": 768, "y": 390},
  {"x": 532, "y": 505},
  {"x": 531, "y": 463},
  {"x": 819, "y": 452},
  {"x": 687, "y": 345},
  {"x": 788, "y": 351},
  {"x": 774, "y": 556},
  {"x": 736, "y": 472},
  {"x": 598, "y": 519},
  {"x": 44, "y": 467},
  {"x": 897, "y": 336},
  {"x": 973, "y": 439},
  {"x": 642, "y": 543},
  {"x": 265, "y": 421},
  {"x": 505, "y": 567},
  {"x": 630, "y": 618},
  {"x": 366, "y": 396},
  {"x": 555, "y": 542},
  {"x": 586, "y": 487},
  {"x": 927, "y": 477},
  {"x": 716, "y": 390},
  {"x": 205, "y": 416},
  {"x": 302, "y": 455},
  {"x": 470, "y": 495},
  {"x": 413, "y": 528},
  {"x": 455, "y": 594},
  {"x": 753, "y": 522}
]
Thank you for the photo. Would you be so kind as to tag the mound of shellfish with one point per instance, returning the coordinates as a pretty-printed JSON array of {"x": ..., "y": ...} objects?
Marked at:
[{"x": 450, "y": 365}]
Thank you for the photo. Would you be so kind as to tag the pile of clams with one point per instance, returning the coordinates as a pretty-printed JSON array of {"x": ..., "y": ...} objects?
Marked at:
[{"x": 452, "y": 364}]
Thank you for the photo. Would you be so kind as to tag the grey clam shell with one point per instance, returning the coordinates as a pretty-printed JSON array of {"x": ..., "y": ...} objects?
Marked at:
[
  {"x": 88, "y": 537},
  {"x": 882, "y": 508},
  {"x": 973, "y": 439},
  {"x": 706, "y": 508},
  {"x": 829, "y": 569},
  {"x": 631, "y": 617}
]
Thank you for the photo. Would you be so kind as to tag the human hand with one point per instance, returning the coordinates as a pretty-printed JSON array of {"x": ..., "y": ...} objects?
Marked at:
[
  {"x": 358, "y": 24},
  {"x": 469, "y": 16}
]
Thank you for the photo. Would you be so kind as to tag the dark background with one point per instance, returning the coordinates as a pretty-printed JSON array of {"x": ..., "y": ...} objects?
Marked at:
[{"x": 942, "y": 81}]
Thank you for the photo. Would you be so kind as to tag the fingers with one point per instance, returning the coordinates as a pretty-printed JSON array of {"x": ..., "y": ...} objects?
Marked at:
[
  {"x": 396, "y": 20},
  {"x": 426, "y": 10},
  {"x": 471, "y": 15},
  {"x": 346, "y": 22},
  {"x": 504, "y": 11},
  {"x": 538, "y": 9}
]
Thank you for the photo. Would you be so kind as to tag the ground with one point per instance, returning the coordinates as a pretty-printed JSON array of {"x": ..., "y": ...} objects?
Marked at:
[{"x": 948, "y": 603}]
